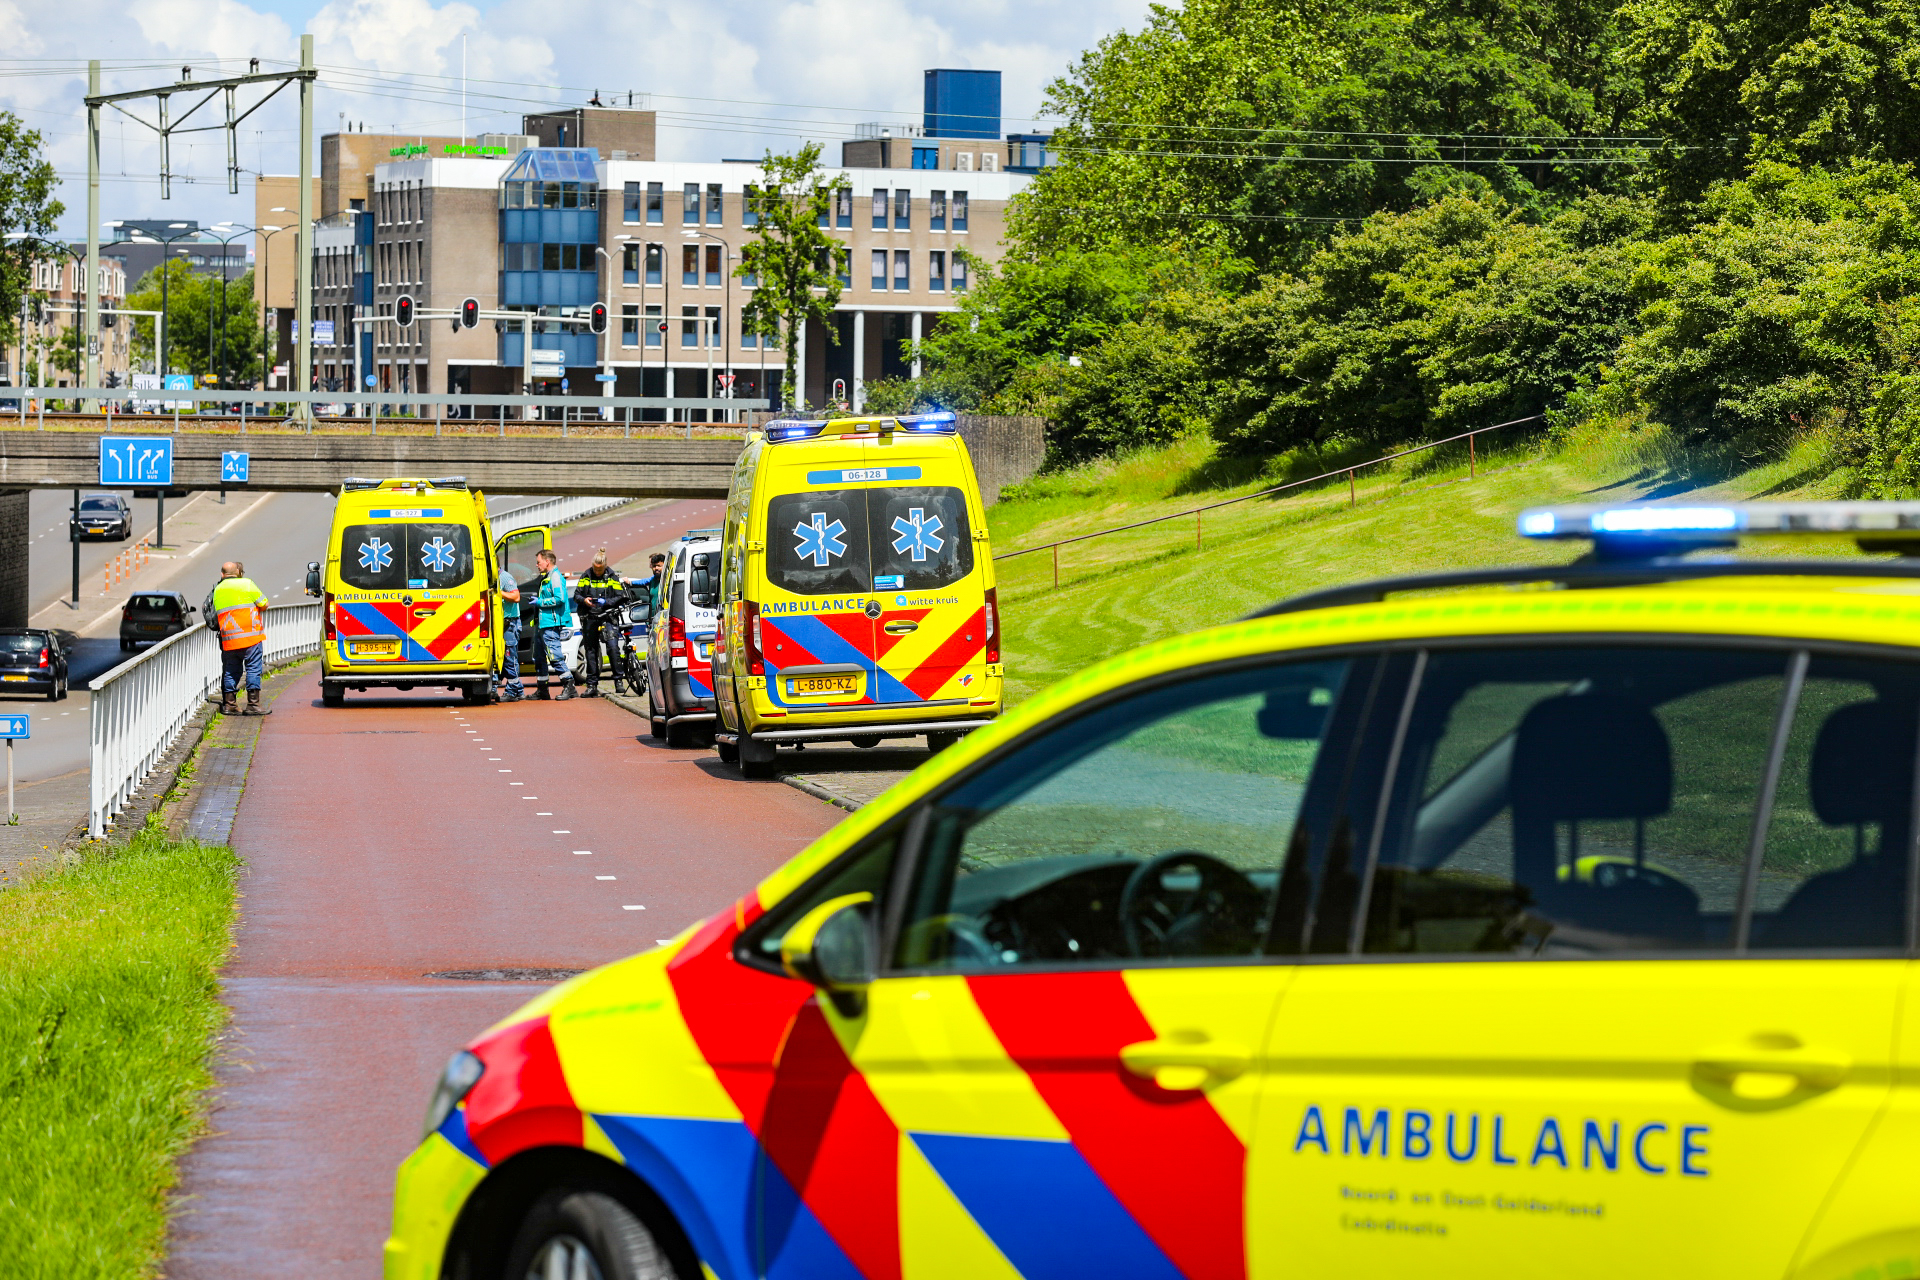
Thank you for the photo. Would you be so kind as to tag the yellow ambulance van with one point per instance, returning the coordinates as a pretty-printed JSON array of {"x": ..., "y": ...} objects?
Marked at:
[
  {"x": 410, "y": 590},
  {"x": 856, "y": 590}
]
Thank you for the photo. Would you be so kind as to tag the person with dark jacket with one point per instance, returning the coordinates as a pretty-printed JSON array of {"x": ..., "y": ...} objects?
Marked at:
[{"x": 598, "y": 597}]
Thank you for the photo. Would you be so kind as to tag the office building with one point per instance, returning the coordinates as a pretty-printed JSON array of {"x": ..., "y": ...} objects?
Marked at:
[{"x": 54, "y": 303}]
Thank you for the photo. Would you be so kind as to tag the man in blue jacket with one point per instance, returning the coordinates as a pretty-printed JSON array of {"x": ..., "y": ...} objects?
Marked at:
[{"x": 556, "y": 617}]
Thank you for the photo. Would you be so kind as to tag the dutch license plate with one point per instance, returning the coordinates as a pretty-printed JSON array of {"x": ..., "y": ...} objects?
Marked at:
[
  {"x": 22, "y": 679},
  {"x": 804, "y": 685},
  {"x": 376, "y": 649},
  {"x": 153, "y": 626}
]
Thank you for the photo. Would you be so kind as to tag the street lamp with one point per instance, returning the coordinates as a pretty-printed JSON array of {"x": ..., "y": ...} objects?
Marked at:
[
  {"x": 225, "y": 257},
  {"x": 726, "y": 309},
  {"x": 166, "y": 317},
  {"x": 606, "y": 338}
]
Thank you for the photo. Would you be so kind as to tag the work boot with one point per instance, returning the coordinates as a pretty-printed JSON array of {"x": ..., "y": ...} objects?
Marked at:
[
  {"x": 619, "y": 685},
  {"x": 228, "y": 706},
  {"x": 543, "y": 694},
  {"x": 566, "y": 692},
  {"x": 511, "y": 695},
  {"x": 591, "y": 691},
  {"x": 253, "y": 705}
]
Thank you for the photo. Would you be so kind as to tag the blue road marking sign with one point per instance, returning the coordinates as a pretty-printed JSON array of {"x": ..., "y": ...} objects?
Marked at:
[
  {"x": 233, "y": 467},
  {"x": 16, "y": 726},
  {"x": 141, "y": 460}
]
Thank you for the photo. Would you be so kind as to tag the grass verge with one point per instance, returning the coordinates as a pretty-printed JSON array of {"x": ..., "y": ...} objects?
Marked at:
[
  {"x": 107, "y": 1002},
  {"x": 1420, "y": 514}
]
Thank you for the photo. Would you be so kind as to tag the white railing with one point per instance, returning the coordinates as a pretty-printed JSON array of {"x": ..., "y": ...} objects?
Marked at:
[
  {"x": 554, "y": 511},
  {"x": 140, "y": 708}
]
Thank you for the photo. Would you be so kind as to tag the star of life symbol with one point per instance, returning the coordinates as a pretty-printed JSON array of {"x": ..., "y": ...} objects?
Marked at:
[
  {"x": 437, "y": 554},
  {"x": 376, "y": 555},
  {"x": 819, "y": 541},
  {"x": 918, "y": 534}
]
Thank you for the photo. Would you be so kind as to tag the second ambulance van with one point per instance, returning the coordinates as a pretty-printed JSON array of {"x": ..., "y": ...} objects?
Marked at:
[{"x": 856, "y": 590}]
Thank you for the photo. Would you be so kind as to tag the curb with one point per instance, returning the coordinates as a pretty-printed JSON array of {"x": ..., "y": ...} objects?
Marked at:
[{"x": 634, "y": 707}]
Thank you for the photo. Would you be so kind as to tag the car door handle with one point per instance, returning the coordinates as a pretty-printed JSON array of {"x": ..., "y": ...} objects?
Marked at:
[
  {"x": 901, "y": 628},
  {"x": 1183, "y": 1060},
  {"x": 1755, "y": 1071}
]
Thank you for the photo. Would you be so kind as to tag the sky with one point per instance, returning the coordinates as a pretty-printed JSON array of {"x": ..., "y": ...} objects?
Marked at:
[{"x": 729, "y": 78}]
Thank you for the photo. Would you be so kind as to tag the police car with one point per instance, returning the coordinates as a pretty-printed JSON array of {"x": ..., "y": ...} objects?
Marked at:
[{"x": 1543, "y": 921}]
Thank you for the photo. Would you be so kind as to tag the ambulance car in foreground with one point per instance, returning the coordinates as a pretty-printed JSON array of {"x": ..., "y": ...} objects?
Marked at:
[{"x": 1516, "y": 922}]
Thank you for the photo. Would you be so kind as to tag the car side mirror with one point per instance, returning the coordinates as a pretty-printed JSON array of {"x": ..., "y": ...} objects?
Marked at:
[
  {"x": 313, "y": 578},
  {"x": 832, "y": 947}
]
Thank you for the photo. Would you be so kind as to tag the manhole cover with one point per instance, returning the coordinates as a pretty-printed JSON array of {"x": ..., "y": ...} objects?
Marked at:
[{"x": 507, "y": 975}]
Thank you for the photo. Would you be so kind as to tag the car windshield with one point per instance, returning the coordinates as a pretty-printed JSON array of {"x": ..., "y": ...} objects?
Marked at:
[
  {"x": 405, "y": 557},
  {"x": 22, "y": 644},
  {"x": 839, "y": 541},
  {"x": 156, "y": 604},
  {"x": 100, "y": 504}
]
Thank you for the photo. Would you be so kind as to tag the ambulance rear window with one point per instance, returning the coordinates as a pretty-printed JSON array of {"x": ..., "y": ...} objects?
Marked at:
[
  {"x": 405, "y": 557},
  {"x": 848, "y": 541}
]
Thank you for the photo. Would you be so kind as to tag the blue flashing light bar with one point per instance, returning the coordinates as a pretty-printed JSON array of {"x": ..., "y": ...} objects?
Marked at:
[
  {"x": 791, "y": 429},
  {"x": 1722, "y": 524},
  {"x": 942, "y": 423}
]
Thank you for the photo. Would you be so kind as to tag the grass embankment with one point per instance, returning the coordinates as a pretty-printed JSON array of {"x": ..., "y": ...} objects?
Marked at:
[
  {"x": 107, "y": 1003},
  {"x": 1420, "y": 514}
]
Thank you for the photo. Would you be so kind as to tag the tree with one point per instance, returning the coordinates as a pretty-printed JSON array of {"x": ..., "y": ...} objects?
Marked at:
[
  {"x": 193, "y": 322},
  {"x": 790, "y": 264},
  {"x": 27, "y": 181}
]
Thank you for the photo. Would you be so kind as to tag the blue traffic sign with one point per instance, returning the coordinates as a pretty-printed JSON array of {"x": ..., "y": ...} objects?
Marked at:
[
  {"x": 145, "y": 460},
  {"x": 179, "y": 382},
  {"x": 233, "y": 467},
  {"x": 15, "y": 726},
  {"x": 370, "y": 382}
]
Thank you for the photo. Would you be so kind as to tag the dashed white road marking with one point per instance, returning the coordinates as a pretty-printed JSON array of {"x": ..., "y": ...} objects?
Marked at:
[
  {"x": 543, "y": 813},
  {"x": 503, "y": 771},
  {"x": 583, "y": 853},
  {"x": 562, "y": 831},
  {"x": 633, "y": 906},
  {"x": 605, "y": 877}
]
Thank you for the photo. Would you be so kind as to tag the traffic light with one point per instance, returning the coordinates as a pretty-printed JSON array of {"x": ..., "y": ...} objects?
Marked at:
[
  {"x": 403, "y": 310},
  {"x": 597, "y": 318},
  {"x": 469, "y": 313},
  {"x": 106, "y": 321}
]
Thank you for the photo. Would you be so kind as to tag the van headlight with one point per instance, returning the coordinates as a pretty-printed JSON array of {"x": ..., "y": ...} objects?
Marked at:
[{"x": 462, "y": 1072}]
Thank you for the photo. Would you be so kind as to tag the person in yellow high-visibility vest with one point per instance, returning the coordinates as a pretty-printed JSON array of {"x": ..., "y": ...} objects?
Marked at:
[{"x": 239, "y": 610}]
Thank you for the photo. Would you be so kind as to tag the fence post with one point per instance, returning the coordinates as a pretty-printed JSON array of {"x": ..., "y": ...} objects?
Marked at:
[
  {"x": 1470, "y": 458},
  {"x": 1352, "y": 501},
  {"x": 1196, "y": 531},
  {"x": 1056, "y": 564}
]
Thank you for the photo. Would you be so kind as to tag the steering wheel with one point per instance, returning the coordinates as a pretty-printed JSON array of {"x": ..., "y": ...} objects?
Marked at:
[{"x": 1225, "y": 905}]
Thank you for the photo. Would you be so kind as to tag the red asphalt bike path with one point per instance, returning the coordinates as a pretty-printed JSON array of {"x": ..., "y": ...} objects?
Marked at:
[
  {"x": 404, "y": 836},
  {"x": 640, "y": 531}
]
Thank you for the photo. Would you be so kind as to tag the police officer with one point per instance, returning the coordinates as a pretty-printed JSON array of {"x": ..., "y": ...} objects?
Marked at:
[{"x": 598, "y": 597}]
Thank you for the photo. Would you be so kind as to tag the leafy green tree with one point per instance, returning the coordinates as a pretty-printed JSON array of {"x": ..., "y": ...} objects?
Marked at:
[
  {"x": 194, "y": 323},
  {"x": 27, "y": 183},
  {"x": 791, "y": 262}
]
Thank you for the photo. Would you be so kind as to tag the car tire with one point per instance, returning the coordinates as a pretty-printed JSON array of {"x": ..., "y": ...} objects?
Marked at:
[
  {"x": 572, "y": 1232},
  {"x": 126, "y": 646},
  {"x": 66, "y": 687},
  {"x": 757, "y": 759},
  {"x": 938, "y": 742},
  {"x": 679, "y": 736},
  {"x": 330, "y": 697},
  {"x": 728, "y": 752},
  {"x": 656, "y": 727}
]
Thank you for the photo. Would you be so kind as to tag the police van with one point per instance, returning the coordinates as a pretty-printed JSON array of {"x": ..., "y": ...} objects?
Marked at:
[
  {"x": 409, "y": 588},
  {"x": 680, "y": 646},
  {"x": 856, "y": 589}
]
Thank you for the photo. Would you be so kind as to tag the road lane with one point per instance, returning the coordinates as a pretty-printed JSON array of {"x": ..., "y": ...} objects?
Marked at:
[{"x": 406, "y": 836}]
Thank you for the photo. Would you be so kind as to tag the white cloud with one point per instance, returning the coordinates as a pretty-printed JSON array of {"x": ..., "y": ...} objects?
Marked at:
[{"x": 728, "y": 78}]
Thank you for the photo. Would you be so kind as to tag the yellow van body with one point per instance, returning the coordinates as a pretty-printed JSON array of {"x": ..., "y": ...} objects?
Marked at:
[
  {"x": 409, "y": 589},
  {"x": 856, "y": 588}
]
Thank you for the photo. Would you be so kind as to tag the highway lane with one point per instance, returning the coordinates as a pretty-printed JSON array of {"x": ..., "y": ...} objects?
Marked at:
[{"x": 406, "y": 837}]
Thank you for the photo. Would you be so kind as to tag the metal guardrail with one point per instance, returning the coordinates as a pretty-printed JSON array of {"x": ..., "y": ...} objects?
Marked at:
[
  {"x": 1195, "y": 512},
  {"x": 553, "y": 511},
  {"x": 141, "y": 707}
]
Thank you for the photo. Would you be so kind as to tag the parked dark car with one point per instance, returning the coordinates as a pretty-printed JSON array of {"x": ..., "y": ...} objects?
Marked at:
[
  {"x": 32, "y": 661},
  {"x": 106, "y": 515},
  {"x": 153, "y": 615}
]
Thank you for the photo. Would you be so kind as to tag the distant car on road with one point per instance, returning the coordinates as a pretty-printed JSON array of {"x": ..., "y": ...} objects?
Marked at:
[
  {"x": 106, "y": 515},
  {"x": 32, "y": 661},
  {"x": 151, "y": 616}
]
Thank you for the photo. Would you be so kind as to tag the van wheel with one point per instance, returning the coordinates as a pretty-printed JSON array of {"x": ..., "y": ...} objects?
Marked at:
[
  {"x": 866, "y": 741},
  {"x": 585, "y": 1233},
  {"x": 757, "y": 769},
  {"x": 757, "y": 759},
  {"x": 938, "y": 742},
  {"x": 679, "y": 736},
  {"x": 729, "y": 753},
  {"x": 656, "y": 727},
  {"x": 332, "y": 696}
]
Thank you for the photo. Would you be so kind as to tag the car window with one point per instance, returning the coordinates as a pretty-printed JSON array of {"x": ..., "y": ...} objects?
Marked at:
[
  {"x": 862, "y": 870},
  {"x": 161, "y": 604},
  {"x": 817, "y": 543},
  {"x": 921, "y": 539},
  {"x": 22, "y": 644},
  {"x": 100, "y": 504},
  {"x": 1574, "y": 801},
  {"x": 1155, "y": 828},
  {"x": 398, "y": 557},
  {"x": 517, "y": 558}
]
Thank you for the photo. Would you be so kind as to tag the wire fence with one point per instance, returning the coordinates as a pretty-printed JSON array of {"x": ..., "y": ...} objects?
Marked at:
[{"x": 1349, "y": 472}]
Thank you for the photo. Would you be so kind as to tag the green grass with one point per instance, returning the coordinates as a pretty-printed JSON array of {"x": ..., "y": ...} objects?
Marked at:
[
  {"x": 1421, "y": 514},
  {"x": 107, "y": 1004}
]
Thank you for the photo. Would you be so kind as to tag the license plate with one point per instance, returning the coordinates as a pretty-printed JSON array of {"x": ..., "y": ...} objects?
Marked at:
[
  {"x": 373, "y": 649},
  {"x": 804, "y": 685},
  {"x": 153, "y": 626},
  {"x": 21, "y": 679}
]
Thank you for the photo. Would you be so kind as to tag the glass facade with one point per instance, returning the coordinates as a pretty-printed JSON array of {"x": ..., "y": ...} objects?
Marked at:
[{"x": 549, "y": 227}]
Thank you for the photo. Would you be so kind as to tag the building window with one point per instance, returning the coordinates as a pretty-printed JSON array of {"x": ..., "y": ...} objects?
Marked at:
[
  {"x": 843, "y": 208},
  {"x": 630, "y": 326},
  {"x": 656, "y": 262},
  {"x": 902, "y": 270},
  {"x": 749, "y": 216},
  {"x": 959, "y": 211},
  {"x": 959, "y": 274},
  {"x": 749, "y": 340},
  {"x": 926, "y": 157},
  {"x": 656, "y": 204},
  {"x": 879, "y": 208},
  {"x": 937, "y": 271},
  {"x": 714, "y": 277},
  {"x": 937, "y": 210},
  {"x": 879, "y": 270},
  {"x": 690, "y": 264},
  {"x": 713, "y": 329},
  {"x": 902, "y": 209},
  {"x": 689, "y": 327},
  {"x": 716, "y": 205},
  {"x": 843, "y": 261},
  {"x": 630, "y": 203},
  {"x": 690, "y": 212},
  {"x": 630, "y": 264},
  {"x": 653, "y": 325}
]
